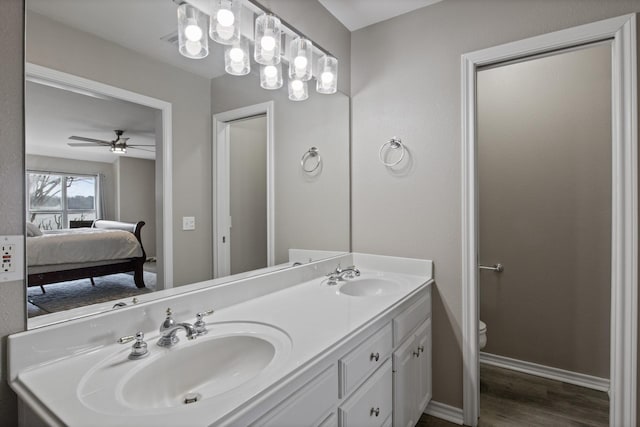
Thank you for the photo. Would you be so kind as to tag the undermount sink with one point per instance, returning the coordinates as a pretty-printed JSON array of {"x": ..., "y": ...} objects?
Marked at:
[
  {"x": 226, "y": 359},
  {"x": 371, "y": 286}
]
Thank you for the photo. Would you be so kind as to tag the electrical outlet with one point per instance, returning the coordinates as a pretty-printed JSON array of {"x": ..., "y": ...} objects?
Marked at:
[
  {"x": 11, "y": 258},
  {"x": 7, "y": 262},
  {"x": 188, "y": 222}
]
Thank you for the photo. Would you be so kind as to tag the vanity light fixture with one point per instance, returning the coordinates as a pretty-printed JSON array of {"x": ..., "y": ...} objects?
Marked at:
[
  {"x": 224, "y": 22},
  {"x": 271, "y": 76},
  {"x": 224, "y": 19},
  {"x": 236, "y": 58},
  {"x": 301, "y": 59},
  {"x": 298, "y": 90},
  {"x": 327, "y": 79},
  {"x": 192, "y": 32},
  {"x": 268, "y": 40}
]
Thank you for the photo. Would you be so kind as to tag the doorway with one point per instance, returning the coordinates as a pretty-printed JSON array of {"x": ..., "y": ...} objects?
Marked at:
[
  {"x": 244, "y": 197},
  {"x": 623, "y": 226},
  {"x": 544, "y": 216}
]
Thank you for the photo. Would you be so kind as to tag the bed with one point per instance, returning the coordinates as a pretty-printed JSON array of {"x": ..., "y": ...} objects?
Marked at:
[{"x": 107, "y": 247}]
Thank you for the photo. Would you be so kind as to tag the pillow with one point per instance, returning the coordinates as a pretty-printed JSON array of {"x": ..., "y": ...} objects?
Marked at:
[{"x": 33, "y": 230}]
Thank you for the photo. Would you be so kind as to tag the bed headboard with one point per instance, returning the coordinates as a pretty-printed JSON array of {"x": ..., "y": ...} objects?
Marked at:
[{"x": 119, "y": 225}]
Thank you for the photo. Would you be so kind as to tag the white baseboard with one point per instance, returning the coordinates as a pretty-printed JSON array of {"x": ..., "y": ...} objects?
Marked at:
[
  {"x": 575, "y": 378},
  {"x": 445, "y": 412}
]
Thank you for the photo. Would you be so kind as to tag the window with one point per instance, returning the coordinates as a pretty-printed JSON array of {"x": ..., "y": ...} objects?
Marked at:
[{"x": 56, "y": 199}]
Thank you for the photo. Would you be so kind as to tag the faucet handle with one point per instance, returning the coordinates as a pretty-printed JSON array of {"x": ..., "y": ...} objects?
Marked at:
[
  {"x": 139, "y": 348},
  {"x": 168, "y": 321},
  {"x": 200, "y": 325}
]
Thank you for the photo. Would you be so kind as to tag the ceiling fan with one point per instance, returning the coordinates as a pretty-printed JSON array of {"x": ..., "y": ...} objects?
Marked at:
[{"x": 118, "y": 145}]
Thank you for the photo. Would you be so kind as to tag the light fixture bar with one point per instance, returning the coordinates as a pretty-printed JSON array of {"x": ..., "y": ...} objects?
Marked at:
[{"x": 290, "y": 32}]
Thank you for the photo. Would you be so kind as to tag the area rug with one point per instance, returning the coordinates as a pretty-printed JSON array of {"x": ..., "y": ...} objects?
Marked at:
[{"x": 77, "y": 293}]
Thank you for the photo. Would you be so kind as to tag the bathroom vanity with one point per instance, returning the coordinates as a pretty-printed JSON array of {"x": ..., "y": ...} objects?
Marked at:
[{"x": 283, "y": 349}]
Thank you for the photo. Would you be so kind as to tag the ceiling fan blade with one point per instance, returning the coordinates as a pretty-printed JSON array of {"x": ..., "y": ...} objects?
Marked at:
[
  {"x": 141, "y": 149},
  {"x": 85, "y": 144},
  {"x": 82, "y": 138},
  {"x": 140, "y": 145}
]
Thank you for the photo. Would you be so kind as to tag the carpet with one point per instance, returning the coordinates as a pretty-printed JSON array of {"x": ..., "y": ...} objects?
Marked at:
[{"x": 77, "y": 293}]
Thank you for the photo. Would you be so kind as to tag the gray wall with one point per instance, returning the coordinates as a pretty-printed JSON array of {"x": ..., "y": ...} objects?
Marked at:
[
  {"x": 248, "y": 194},
  {"x": 405, "y": 81},
  {"x": 90, "y": 57},
  {"x": 58, "y": 164},
  {"x": 135, "y": 196},
  {"x": 321, "y": 121},
  {"x": 544, "y": 169},
  {"x": 12, "y": 294}
]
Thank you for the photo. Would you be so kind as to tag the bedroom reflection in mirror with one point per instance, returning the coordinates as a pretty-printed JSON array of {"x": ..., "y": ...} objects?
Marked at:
[{"x": 90, "y": 209}]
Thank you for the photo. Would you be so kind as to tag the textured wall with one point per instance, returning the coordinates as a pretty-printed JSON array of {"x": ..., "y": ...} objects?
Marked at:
[
  {"x": 136, "y": 197},
  {"x": 544, "y": 171},
  {"x": 405, "y": 81},
  {"x": 12, "y": 294}
]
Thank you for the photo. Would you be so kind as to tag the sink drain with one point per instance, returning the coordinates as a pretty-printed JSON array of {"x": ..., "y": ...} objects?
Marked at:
[{"x": 191, "y": 398}]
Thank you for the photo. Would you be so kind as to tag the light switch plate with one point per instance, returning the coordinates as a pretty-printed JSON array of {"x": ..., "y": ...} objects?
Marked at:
[
  {"x": 188, "y": 222},
  {"x": 11, "y": 258}
]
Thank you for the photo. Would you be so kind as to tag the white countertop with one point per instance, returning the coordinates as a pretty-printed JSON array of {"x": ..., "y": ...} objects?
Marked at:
[{"x": 315, "y": 317}]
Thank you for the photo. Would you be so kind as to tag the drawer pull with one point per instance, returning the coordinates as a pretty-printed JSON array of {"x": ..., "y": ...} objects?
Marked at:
[
  {"x": 374, "y": 411},
  {"x": 416, "y": 353},
  {"x": 421, "y": 349},
  {"x": 375, "y": 356}
]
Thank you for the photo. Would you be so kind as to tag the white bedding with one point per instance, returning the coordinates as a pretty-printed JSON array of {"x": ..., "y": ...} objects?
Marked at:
[{"x": 80, "y": 245}]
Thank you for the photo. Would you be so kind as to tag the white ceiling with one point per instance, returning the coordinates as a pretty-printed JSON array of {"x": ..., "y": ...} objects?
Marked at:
[
  {"x": 356, "y": 14},
  {"x": 53, "y": 115}
]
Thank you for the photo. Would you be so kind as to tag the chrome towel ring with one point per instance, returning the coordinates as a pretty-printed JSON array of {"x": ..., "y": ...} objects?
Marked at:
[
  {"x": 311, "y": 153},
  {"x": 394, "y": 143}
]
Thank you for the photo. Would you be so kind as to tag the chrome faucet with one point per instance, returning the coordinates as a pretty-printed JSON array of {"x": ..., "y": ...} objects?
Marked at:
[
  {"x": 340, "y": 274},
  {"x": 169, "y": 328}
]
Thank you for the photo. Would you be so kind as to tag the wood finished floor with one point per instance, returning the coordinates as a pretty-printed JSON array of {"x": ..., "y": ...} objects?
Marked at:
[{"x": 509, "y": 398}]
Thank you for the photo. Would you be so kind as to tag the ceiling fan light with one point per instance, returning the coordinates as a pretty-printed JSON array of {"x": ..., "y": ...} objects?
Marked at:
[{"x": 118, "y": 149}]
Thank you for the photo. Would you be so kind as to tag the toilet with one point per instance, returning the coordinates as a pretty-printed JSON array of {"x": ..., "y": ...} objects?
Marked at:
[{"x": 482, "y": 337}]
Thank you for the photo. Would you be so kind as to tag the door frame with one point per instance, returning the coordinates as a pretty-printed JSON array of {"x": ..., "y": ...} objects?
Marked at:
[
  {"x": 164, "y": 187},
  {"x": 624, "y": 228},
  {"x": 221, "y": 219}
]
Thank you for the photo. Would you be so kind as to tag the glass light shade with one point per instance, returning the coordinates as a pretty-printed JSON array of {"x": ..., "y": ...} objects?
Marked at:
[
  {"x": 268, "y": 40},
  {"x": 271, "y": 76},
  {"x": 236, "y": 58},
  {"x": 224, "y": 22},
  {"x": 298, "y": 90},
  {"x": 192, "y": 32},
  {"x": 327, "y": 77},
  {"x": 301, "y": 59}
]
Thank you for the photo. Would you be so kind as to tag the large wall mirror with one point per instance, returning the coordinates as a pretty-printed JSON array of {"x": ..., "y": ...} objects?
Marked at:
[{"x": 147, "y": 170}]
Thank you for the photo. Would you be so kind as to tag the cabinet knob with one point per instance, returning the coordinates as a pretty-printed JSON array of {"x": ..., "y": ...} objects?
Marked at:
[
  {"x": 375, "y": 356},
  {"x": 374, "y": 411}
]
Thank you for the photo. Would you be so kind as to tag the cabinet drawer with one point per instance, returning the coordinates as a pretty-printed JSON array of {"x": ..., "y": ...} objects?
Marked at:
[
  {"x": 371, "y": 404},
  {"x": 330, "y": 421},
  {"x": 308, "y": 405},
  {"x": 409, "y": 319},
  {"x": 357, "y": 365}
]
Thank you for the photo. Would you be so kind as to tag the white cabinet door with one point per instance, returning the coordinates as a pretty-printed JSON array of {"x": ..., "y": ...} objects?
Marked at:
[
  {"x": 423, "y": 362},
  {"x": 404, "y": 395},
  {"x": 412, "y": 377}
]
